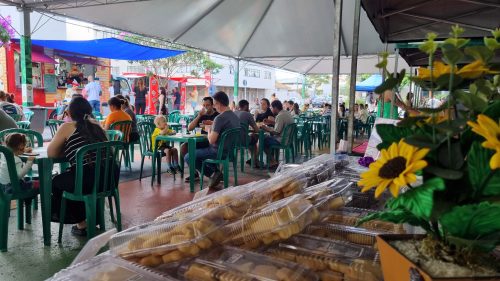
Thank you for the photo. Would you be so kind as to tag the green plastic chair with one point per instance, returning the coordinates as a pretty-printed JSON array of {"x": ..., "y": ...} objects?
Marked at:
[
  {"x": 230, "y": 140},
  {"x": 16, "y": 117},
  {"x": 97, "y": 115},
  {"x": 54, "y": 126},
  {"x": 145, "y": 131},
  {"x": 370, "y": 122},
  {"x": 286, "y": 144},
  {"x": 23, "y": 124},
  {"x": 28, "y": 115},
  {"x": 114, "y": 135},
  {"x": 17, "y": 194},
  {"x": 148, "y": 118},
  {"x": 105, "y": 153},
  {"x": 244, "y": 146},
  {"x": 125, "y": 127},
  {"x": 174, "y": 116},
  {"x": 303, "y": 140}
]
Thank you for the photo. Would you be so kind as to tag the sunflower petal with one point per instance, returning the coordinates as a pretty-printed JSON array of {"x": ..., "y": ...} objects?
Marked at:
[
  {"x": 381, "y": 188},
  {"x": 394, "y": 190},
  {"x": 420, "y": 154},
  {"x": 418, "y": 165},
  {"x": 495, "y": 161}
]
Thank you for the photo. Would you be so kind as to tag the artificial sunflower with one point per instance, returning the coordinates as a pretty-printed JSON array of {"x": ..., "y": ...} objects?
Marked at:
[
  {"x": 394, "y": 169},
  {"x": 474, "y": 70},
  {"x": 438, "y": 69},
  {"x": 490, "y": 130}
]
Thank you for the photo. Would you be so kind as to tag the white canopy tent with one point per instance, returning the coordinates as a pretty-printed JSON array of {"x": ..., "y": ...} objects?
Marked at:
[{"x": 295, "y": 35}]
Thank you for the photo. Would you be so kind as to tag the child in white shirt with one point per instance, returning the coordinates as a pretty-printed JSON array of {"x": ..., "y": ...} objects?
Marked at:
[{"x": 17, "y": 143}]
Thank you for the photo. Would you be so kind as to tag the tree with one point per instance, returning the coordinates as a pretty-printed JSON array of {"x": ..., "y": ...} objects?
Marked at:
[
  {"x": 165, "y": 68},
  {"x": 316, "y": 81}
]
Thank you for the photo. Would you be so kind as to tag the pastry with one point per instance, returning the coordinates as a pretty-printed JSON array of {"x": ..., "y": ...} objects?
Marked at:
[{"x": 199, "y": 272}]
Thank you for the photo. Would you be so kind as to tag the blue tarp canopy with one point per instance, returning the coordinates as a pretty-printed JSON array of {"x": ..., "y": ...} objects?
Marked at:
[
  {"x": 369, "y": 84},
  {"x": 110, "y": 48}
]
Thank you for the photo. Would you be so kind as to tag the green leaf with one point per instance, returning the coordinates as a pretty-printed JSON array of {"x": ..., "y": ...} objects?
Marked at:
[
  {"x": 486, "y": 244},
  {"x": 451, "y": 54},
  {"x": 429, "y": 46},
  {"x": 397, "y": 216},
  {"x": 493, "y": 110},
  {"x": 443, "y": 81},
  {"x": 410, "y": 122},
  {"x": 444, "y": 173},
  {"x": 480, "y": 53},
  {"x": 479, "y": 170},
  {"x": 470, "y": 101},
  {"x": 388, "y": 84},
  {"x": 424, "y": 141},
  {"x": 456, "y": 156},
  {"x": 473, "y": 221},
  {"x": 491, "y": 43},
  {"x": 390, "y": 133},
  {"x": 457, "y": 42},
  {"x": 419, "y": 200}
]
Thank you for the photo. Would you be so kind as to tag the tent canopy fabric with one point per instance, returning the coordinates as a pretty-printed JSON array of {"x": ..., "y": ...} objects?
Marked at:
[
  {"x": 369, "y": 84},
  {"x": 411, "y": 20},
  {"x": 258, "y": 31},
  {"x": 36, "y": 55},
  {"x": 110, "y": 48}
]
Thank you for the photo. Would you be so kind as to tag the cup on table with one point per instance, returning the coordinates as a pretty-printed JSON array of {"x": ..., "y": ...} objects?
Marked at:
[{"x": 197, "y": 131}]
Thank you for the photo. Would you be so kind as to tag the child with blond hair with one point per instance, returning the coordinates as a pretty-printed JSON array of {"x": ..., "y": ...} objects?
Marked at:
[{"x": 171, "y": 152}]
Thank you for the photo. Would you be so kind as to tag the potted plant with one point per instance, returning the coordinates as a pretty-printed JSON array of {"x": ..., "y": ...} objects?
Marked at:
[
  {"x": 6, "y": 30},
  {"x": 442, "y": 168}
]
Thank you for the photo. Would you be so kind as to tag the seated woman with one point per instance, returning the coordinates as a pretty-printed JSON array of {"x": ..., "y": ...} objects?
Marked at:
[
  {"x": 83, "y": 130},
  {"x": 134, "y": 134},
  {"x": 117, "y": 114}
]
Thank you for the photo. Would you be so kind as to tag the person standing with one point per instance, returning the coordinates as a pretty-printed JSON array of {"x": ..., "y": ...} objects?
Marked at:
[
  {"x": 140, "y": 97},
  {"x": 246, "y": 119},
  {"x": 93, "y": 91},
  {"x": 194, "y": 99},
  {"x": 177, "y": 99},
  {"x": 162, "y": 99}
]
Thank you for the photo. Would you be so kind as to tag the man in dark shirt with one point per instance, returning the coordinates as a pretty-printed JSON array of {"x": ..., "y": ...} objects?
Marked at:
[
  {"x": 206, "y": 116},
  {"x": 224, "y": 121},
  {"x": 177, "y": 102}
]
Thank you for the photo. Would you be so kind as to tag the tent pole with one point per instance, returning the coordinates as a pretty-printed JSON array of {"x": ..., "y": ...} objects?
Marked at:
[
  {"x": 304, "y": 87},
  {"x": 381, "y": 100},
  {"x": 354, "y": 70},
  {"x": 26, "y": 65},
  {"x": 236, "y": 80},
  {"x": 410, "y": 90},
  {"x": 335, "y": 72},
  {"x": 396, "y": 55}
]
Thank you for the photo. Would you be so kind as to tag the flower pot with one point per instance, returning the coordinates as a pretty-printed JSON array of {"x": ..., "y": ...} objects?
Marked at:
[{"x": 396, "y": 267}]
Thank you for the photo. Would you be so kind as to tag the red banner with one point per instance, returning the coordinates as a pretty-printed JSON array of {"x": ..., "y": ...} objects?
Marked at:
[{"x": 153, "y": 95}]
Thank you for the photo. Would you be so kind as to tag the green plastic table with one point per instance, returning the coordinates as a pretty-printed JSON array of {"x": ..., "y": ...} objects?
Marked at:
[
  {"x": 191, "y": 141},
  {"x": 45, "y": 167}
]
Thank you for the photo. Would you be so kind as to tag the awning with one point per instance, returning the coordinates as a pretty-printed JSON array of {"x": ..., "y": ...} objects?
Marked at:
[
  {"x": 411, "y": 20},
  {"x": 369, "y": 84},
  {"x": 79, "y": 60},
  {"x": 36, "y": 55},
  {"x": 109, "y": 48}
]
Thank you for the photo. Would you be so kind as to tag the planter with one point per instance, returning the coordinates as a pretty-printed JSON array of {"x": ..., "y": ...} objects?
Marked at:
[{"x": 396, "y": 267}]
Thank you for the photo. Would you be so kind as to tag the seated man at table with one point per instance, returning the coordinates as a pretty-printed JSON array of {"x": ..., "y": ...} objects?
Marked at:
[
  {"x": 283, "y": 118},
  {"x": 246, "y": 118},
  {"x": 224, "y": 121},
  {"x": 206, "y": 116}
]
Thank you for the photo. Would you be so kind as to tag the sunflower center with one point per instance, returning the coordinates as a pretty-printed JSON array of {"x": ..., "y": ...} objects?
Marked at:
[{"x": 393, "y": 168}]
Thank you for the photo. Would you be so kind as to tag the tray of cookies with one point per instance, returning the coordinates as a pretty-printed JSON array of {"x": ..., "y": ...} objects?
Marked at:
[
  {"x": 243, "y": 265},
  {"x": 158, "y": 243},
  {"x": 330, "y": 259},
  {"x": 276, "y": 189},
  {"x": 276, "y": 222},
  {"x": 344, "y": 233},
  {"x": 351, "y": 216},
  {"x": 106, "y": 267}
]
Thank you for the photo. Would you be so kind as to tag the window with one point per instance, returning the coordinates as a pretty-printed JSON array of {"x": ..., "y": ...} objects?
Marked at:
[
  {"x": 267, "y": 75},
  {"x": 249, "y": 72}
]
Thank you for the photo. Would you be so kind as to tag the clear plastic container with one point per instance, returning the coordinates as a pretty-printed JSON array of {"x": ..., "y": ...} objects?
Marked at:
[
  {"x": 276, "y": 222},
  {"x": 345, "y": 233},
  {"x": 331, "y": 260},
  {"x": 232, "y": 203},
  {"x": 245, "y": 266},
  {"x": 350, "y": 216},
  {"x": 160, "y": 243},
  {"x": 277, "y": 188},
  {"x": 106, "y": 267}
]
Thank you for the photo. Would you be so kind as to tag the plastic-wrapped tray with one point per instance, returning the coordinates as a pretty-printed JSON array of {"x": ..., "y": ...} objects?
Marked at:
[
  {"x": 277, "y": 188},
  {"x": 344, "y": 233},
  {"x": 232, "y": 204},
  {"x": 243, "y": 265},
  {"x": 331, "y": 260},
  {"x": 159, "y": 243},
  {"x": 107, "y": 268},
  {"x": 276, "y": 222},
  {"x": 350, "y": 216}
]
